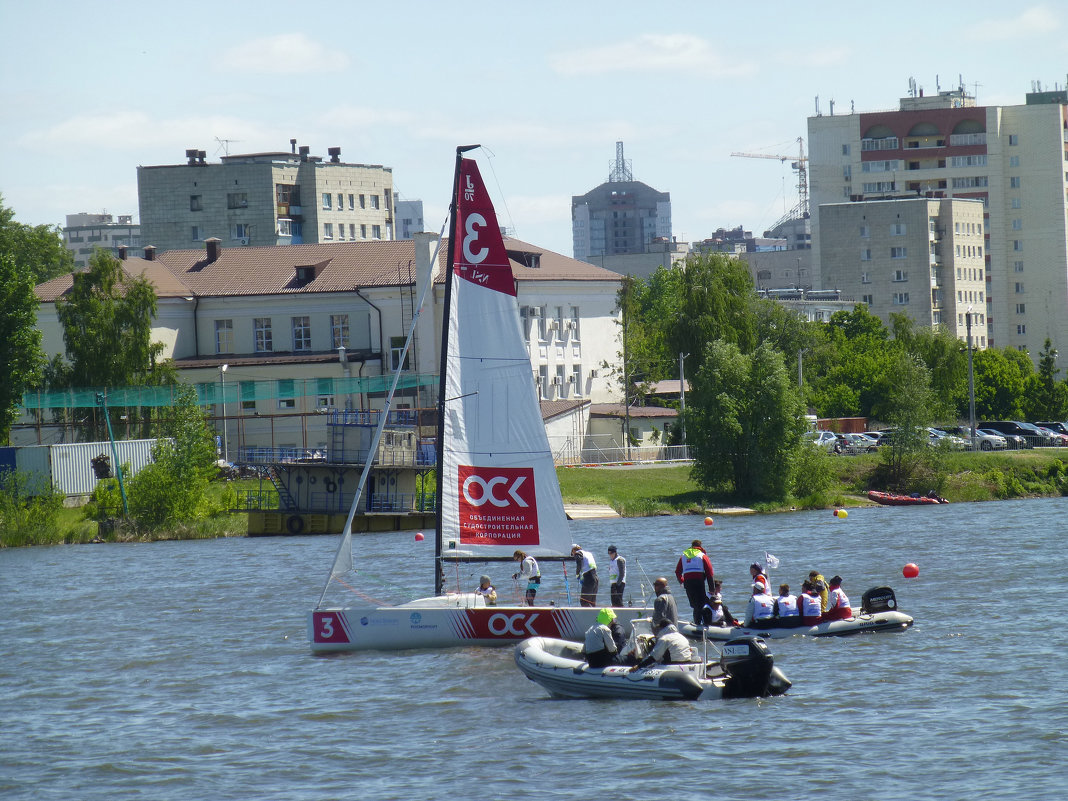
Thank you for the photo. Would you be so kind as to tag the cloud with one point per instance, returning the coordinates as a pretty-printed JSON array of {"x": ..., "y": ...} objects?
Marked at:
[
  {"x": 1035, "y": 20},
  {"x": 649, "y": 53},
  {"x": 286, "y": 53}
]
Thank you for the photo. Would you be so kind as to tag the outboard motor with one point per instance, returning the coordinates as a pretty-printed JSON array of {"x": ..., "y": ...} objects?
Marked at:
[
  {"x": 878, "y": 599},
  {"x": 750, "y": 670}
]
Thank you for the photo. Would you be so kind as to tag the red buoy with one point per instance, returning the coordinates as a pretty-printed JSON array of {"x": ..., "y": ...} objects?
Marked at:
[
  {"x": 709, "y": 521},
  {"x": 910, "y": 570},
  {"x": 419, "y": 537}
]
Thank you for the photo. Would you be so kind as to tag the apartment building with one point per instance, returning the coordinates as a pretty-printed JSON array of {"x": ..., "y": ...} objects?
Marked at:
[
  {"x": 923, "y": 257},
  {"x": 264, "y": 199},
  {"x": 85, "y": 233},
  {"x": 1013, "y": 159}
]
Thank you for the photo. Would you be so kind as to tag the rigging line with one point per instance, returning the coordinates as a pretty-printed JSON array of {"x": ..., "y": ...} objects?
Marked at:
[
  {"x": 641, "y": 567},
  {"x": 489, "y": 160},
  {"x": 361, "y": 594}
]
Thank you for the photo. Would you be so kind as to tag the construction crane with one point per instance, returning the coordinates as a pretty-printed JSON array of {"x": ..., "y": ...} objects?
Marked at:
[{"x": 797, "y": 163}]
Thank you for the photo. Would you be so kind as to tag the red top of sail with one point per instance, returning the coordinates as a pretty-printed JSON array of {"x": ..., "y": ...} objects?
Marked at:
[{"x": 479, "y": 255}]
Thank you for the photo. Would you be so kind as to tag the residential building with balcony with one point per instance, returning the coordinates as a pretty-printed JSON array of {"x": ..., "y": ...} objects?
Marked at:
[
  {"x": 1013, "y": 159},
  {"x": 264, "y": 199}
]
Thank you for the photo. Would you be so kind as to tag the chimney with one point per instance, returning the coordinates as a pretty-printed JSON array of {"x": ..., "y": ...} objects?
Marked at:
[
  {"x": 293, "y": 146},
  {"x": 150, "y": 252},
  {"x": 304, "y": 150},
  {"x": 200, "y": 156},
  {"x": 335, "y": 154},
  {"x": 192, "y": 156},
  {"x": 213, "y": 245},
  {"x": 122, "y": 252}
]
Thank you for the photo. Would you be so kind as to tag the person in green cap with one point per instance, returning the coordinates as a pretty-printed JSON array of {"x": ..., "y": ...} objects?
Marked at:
[{"x": 602, "y": 647}]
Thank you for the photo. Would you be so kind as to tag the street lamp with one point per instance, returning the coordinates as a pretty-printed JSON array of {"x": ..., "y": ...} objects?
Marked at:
[
  {"x": 222, "y": 380},
  {"x": 682, "y": 397},
  {"x": 800, "y": 353}
]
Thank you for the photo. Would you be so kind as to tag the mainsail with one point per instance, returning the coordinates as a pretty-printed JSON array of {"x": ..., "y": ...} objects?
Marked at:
[{"x": 498, "y": 489}]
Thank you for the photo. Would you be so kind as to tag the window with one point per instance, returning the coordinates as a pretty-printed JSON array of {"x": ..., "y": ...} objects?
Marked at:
[
  {"x": 352, "y": 202},
  {"x": 968, "y": 161},
  {"x": 341, "y": 230},
  {"x": 878, "y": 186},
  {"x": 340, "y": 202},
  {"x": 196, "y": 203},
  {"x": 866, "y": 299},
  {"x": 576, "y": 379},
  {"x": 285, "y": 228},
  {"x": 396, "y": 347},
  {"x": 865, "y": 231},
  {"x": 374, "y": 201},
  {"x": 865, "y": 254},
  {"x": 880, "y": 166},
  {"x": 845, "y": 150},
  {"x": 286, "y": 394},
  {"x": 327, "y": 200},
  {"x": 847, "y": 172},
  {"x": 969, "y": 183},
  {"x": 1014, "y": 139},
  {"x": 261, "y": 327},
  {"x": 197, "y": 233},
  {"x": 324, "y": 393},
  {"x": 363, "y": 202},
  {"x": 240, "y": 231},
  {"x": 248, "y": 395},
  {"x": 865, "y": 278},
  {"x": 1017, "y": 224},
  {"x": 352, "y": 230},
  {"x": 900, "y": 275},
  {"x": 897, "y": 229},
  {"x": 328, "y": 230},
  {"x": 1014, "y": 161},
  {"x": 301, "y": 333},
  {"x": 363, "y": 232},
  {"x": 224, "y": 336},
  {"x": 1021, "y": 329},
  {"x": 543, "y": 380},
  {"x": 376, "y": 232},
  {"x": 1017, "y": 266},
  {"x": 1019, "y": 287},
  {"x": 901, "y": 299},
  {"x": 898, "y": 253},
  {"x": 1014, "y": 182},
  {"x": 237, "y": 200},
  {"x": 574, "y": 323},
  {"x": 339, "y": 330},
  {"x": 886, "y": 143},
  {"x": 1015, "y": 203},
  {"x": 287, "y": 194},
  {"x": 1020, "y": 308},
  {"x": 1017, "y": 244}
]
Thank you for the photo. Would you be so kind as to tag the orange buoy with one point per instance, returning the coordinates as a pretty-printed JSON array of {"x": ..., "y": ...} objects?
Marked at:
[
  {"x": 419, "y": 537},
  {"x": 709, "y": 521},
  {"x": 910, "y": 570}
]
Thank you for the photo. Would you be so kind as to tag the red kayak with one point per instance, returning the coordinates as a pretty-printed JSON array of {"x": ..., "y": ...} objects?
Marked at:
[{"x": 890, "y": 499}]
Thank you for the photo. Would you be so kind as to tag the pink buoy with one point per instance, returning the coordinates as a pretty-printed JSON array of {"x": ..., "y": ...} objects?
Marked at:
[
  {"x": 709, "y": 521},
  {"x": 834, "y": 513},
  {"x": 419, "y": 537},
  {"x": 910, "y": 570}
]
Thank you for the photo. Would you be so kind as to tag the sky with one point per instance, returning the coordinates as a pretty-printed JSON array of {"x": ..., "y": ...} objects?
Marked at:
[{"x": 89, "y": 92}]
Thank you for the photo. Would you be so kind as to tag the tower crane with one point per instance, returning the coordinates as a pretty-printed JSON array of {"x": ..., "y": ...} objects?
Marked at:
[{"x": 797, "y": 163}]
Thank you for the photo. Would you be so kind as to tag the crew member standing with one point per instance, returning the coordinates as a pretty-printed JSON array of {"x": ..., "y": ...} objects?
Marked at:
[
  {"x": 693, "y": 570},
  {"x": 528, "y": 570},
  {"x": 586, "y": 571},
  {"x": 617, "y": 575},
  {"x": 664, "y": 604}
]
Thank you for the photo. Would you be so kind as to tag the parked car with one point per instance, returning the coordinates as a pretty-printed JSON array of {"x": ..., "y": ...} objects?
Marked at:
[
  {"x": 824, "y": 439},
  {"x": 1060, "y": 428},
  {"x": 877, "y": 436},
  {"x": 1013, "y": 442},
  {"x": 1043, "y": 439},
  {"x": 987, "y": 441},
  {"x": 1003, "y": 427},
  {"x": 857, "y": 443},
  {"x": 936, "y": 437},
  {"x": 1057, "y": 438}
]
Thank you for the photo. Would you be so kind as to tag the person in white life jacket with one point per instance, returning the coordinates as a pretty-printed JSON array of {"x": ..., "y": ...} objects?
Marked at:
[
  {"x": 809, "y": 602},
  {"x": 787, "y": 611},
  {"x": 528, "y": 570},
  {"x": 761, "y": 607},
  {"x": 694, "y": 570},
  {"x": 586, "y": 572},
  {"x": 712, "y": 613},
  {"x": 837, "y": 602},
  {"x": 617, "y": 575},
  {"x": 485, "y": 589},
  {"x": 672, "y": 648},
  {"x": 601, "y": 647}
]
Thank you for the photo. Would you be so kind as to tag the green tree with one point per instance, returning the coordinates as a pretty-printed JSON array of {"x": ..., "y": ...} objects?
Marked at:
[
  {"x": 746, "y": 419},
  {"x": 38, "y": 250},
  {"x": 908, "y": 408},
  {"x": 999, "y": 379},
  {"x": 21, "y": 358},
  {"x": 715, "y": 301},
  {"x": 107, "y": 332},
  {"x": 174, "y": 488},
  {"x": 1044, "y": 397}
]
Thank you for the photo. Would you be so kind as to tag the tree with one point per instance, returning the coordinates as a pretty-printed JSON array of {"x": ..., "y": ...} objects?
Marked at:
[
  {"x": 999, "y": 383},
  {"x": 907, "y": 408},
  {"x": 715, "y": 297},
  {"x": 745, "y": 420},
  {"x": 107, "y": 332},
  {"x": 1044, "y": 398},
  {"x": 21, "y": 358},
  {"x": 173, "y": 489},
  {"x": 38, "y": 250}
]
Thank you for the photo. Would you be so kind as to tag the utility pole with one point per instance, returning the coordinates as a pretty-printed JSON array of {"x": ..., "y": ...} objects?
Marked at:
[
  {"x": 971, "y": 379},
  {"x": 682, "y": 396},
  {"x": 226, "y": 442}
]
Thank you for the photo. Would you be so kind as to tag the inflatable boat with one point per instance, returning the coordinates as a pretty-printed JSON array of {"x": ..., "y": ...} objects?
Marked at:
[
  {"x": 878, "y": 612},
  {"x": 890, "y": 499},
  {"x": 745, "y": 669}
]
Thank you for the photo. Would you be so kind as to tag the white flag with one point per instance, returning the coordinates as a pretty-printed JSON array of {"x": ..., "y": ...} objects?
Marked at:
[{"x": 770, "y": 561}]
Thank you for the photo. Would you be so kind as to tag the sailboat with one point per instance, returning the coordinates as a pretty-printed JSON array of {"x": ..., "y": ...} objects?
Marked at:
[{"x": 496, "y": 482}]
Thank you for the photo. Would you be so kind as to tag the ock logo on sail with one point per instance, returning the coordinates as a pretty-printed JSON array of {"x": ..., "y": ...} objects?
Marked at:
[{"x": 497, "y": 505}]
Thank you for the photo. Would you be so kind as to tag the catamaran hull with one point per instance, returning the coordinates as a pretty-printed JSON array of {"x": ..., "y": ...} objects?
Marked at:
[
  {"x": 437, "y": 626},
  {"x": 865, "y": 623}
]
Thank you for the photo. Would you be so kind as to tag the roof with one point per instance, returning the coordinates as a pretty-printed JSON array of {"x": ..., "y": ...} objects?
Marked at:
[
  {"x": 338, "y": 267},
  {"x": 669, "y": 386},
  {"x": 617, "y": 410},
  {"x": 558, "y": 408}
]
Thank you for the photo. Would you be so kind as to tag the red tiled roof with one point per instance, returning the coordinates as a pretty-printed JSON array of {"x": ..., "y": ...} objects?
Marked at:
[
  {"x": 165, "y": 282},
  {"x": 551, "y": 409}
]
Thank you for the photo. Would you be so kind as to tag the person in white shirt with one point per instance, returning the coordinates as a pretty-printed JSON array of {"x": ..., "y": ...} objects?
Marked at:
[
  {"x": 837, "y": 602},
  {"x": 485, "y": 589},
  {"x": 617, "y": 575},
  {"x": 528, "y": 570},
  {"x": 586, "y": 571},
  {"x": 672, "y": 648},
  {"x": 787, "y": 610},
  {"x": 761, "y": 606}
]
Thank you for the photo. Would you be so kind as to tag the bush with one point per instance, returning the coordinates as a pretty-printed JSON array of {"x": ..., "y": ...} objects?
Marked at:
[
  {"x": 28, "y": 513},
  {"x": 812, "y": 472}
]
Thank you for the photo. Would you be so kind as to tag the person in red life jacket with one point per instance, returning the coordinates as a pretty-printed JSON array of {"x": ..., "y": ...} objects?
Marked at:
[
  {"x": 759, "y": 576},
  {"x": 761, "y": 608},
  {"x": 586, "y": 571},
  {"x": 787, "y": 611},
  {"x": 837, "y": 602},
  {"x": 693, "y": 570},
  {"x": 809, "y": 602}
]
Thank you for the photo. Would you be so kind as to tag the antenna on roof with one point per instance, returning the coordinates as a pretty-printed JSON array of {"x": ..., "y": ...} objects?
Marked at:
[
  {"x": 224, "y": 145},
  {"x": 621, "y": 167}
]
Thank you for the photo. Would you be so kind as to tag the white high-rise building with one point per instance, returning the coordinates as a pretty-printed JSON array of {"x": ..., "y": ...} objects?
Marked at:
[{"x": 1012, "y": 158}]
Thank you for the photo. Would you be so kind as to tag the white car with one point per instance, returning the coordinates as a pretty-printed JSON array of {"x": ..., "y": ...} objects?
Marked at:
[
  {"x": 984, "y": 440},
  {"x": 936, "y": 436},
  {"x": 822, "y": 439}
]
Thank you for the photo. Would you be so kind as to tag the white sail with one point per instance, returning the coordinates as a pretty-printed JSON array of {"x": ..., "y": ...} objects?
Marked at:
[{"x": 499, "y": 489}]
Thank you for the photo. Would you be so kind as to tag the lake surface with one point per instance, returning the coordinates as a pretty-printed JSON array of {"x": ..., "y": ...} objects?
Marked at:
[{"x": 180, "y": 670}]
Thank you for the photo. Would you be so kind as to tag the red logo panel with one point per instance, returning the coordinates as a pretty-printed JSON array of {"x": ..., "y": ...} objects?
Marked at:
[
  {"x": 498, "y": 506},
  {"x": 510, "y": 624}
]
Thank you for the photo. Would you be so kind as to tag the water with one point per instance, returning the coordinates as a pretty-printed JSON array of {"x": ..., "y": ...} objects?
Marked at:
[{"x": 180, "y": 670}]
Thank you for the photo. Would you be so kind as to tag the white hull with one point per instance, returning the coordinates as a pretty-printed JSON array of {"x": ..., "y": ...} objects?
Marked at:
[
  {"x": 861, "y": 624},
  {"x": 448, "y": 621}
]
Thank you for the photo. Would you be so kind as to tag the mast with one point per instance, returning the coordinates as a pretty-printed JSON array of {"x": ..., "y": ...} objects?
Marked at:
[{"x": 446, "y": 311}]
